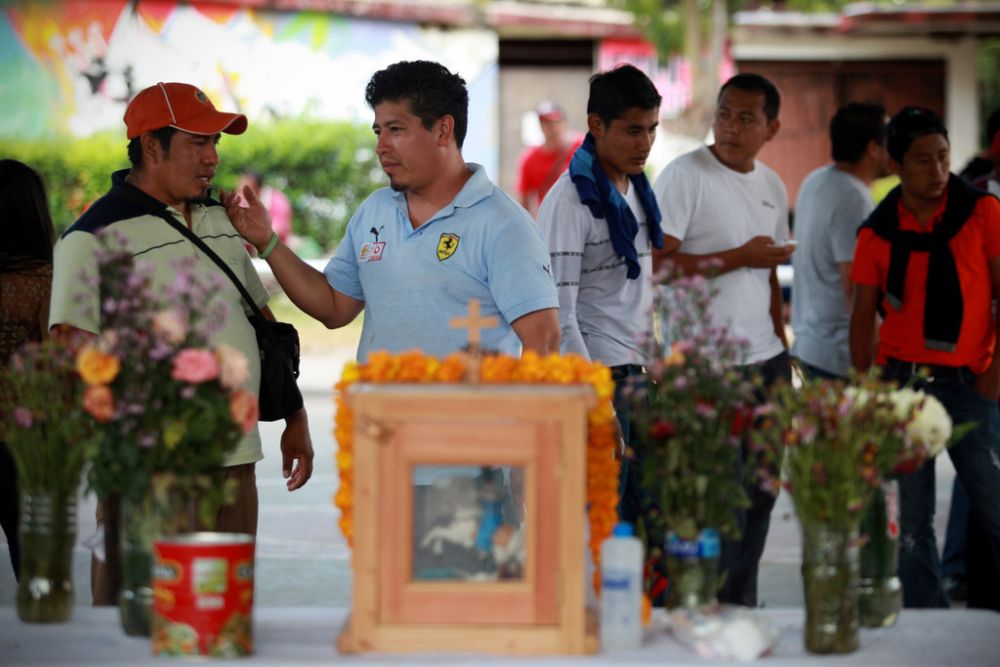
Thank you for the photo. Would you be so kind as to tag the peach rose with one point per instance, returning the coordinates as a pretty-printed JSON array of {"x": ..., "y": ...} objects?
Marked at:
[
  {"x": 96, "y": 367},
  {"x": 195, "y": 365},
  {"x": 170, "y": 326},
  {"x": 243, "y": 409},
  {"x": 99, "y": 402},
  {"x": 233, "y": 365}
]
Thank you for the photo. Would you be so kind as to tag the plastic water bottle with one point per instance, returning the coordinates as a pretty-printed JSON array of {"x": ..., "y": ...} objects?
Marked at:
[{"x": 621, "y": 590}]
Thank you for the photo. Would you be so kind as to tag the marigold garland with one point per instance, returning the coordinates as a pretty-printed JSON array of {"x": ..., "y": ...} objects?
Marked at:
[{"x": 416, "y": 367}]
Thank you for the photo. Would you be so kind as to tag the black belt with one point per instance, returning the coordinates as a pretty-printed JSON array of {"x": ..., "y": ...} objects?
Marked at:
[
  {"x": 899, "y": 368},
  {"x": 623, "y": 371}
]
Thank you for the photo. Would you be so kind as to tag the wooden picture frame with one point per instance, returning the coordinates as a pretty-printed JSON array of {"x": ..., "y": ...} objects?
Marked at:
[{"x": 541, "y": 430}]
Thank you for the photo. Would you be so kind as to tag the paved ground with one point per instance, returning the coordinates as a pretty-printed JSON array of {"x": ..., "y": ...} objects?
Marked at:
[{"x": 302, "y": 558}]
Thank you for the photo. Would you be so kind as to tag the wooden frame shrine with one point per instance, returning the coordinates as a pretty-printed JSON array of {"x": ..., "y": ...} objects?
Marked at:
[{"x": 539, "y": 429}]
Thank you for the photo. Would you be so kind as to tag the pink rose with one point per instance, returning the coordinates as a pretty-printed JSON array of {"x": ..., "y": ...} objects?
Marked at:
[
  {"x": 195, "y": 365},
  {"x": 243, "y": 409},
  {"x": 233, "y": 365}
]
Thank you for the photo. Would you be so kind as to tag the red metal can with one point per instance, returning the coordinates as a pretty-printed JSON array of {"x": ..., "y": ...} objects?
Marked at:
[{"x": 203, "y": 595}]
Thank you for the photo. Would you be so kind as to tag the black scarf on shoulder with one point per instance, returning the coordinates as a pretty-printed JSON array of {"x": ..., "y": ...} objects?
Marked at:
[{"x": 943, "y": 309}]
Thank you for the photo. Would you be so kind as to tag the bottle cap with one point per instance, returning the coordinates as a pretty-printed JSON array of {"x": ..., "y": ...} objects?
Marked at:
[{"x": 623, "y": 529}]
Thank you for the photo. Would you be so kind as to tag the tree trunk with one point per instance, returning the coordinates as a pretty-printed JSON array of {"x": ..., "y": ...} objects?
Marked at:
[{"x": 705, "y": 58}]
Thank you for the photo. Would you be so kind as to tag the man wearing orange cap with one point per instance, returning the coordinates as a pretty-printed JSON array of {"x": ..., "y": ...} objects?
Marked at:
[{"x": 173, "y": 132}]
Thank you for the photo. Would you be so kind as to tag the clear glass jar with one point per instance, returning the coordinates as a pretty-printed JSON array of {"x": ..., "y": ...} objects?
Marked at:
[
  {"x": 880, "y": 593},
  {"x": 830, "y": 580},
  {"x": 48, "y": 533}
]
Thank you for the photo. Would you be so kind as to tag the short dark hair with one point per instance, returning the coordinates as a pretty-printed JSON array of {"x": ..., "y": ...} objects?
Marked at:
[
  {"x": 755, "y": 83},
  {"x": 853, "y": 127},
  {"x": 431, "y": 90},
  {"x": 910, "y": 124},
  {"x": 624, "y": 87},
  {"x": 164, "y": 135},
  {"x": 28, "y": 232}
]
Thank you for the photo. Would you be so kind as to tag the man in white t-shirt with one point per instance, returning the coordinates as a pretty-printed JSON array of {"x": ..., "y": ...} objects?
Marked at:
[
  {"x": 601, "y": 221},
  {"x": 833, "y": 201},
  {"x": 727, "y": 213}
]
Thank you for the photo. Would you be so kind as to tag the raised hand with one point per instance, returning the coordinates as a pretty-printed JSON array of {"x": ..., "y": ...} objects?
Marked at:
[
  {"x": 251, "y": 221},
  {"x": 760, "y": 252}
]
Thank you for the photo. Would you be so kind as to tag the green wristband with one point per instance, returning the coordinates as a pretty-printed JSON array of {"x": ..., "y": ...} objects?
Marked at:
[{"x": 270, "y": 246}]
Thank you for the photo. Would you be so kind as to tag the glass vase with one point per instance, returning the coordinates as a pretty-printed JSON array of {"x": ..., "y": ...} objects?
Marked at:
[
  {"x": 830, "y": 579},
  {"x": 692, "y": 570},
  {"x": 48, "y": 533},
  {"x": 880, "y": 593},
  {"x": 167, "y": 509},
  {"x": 139, "y": 530}
]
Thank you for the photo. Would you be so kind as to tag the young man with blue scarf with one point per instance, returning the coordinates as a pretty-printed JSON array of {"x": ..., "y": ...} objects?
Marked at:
[{"x": 602, "y": 222}]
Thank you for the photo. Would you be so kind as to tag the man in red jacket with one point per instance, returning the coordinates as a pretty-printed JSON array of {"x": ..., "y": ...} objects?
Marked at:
[{"x": 928, "y": 258}]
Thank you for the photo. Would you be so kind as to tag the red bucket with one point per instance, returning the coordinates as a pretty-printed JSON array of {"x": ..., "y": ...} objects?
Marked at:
[{"x": 203, "y": 595}]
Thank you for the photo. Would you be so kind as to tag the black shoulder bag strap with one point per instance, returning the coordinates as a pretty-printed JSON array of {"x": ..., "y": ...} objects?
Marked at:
[
  {"x": 143, "y": 203},
  {"x": 201, "y": 245}
]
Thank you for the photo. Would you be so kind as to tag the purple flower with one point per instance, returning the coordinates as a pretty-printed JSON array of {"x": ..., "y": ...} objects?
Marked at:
[{"x": 22, "y": 416}]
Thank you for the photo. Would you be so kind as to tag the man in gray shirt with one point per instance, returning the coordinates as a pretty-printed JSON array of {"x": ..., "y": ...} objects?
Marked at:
[{"x": 833, "y": 202}]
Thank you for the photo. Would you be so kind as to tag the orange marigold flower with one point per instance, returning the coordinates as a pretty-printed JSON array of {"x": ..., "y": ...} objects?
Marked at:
[
  {"x": 452, "y": 369},
  {"x": 498, "y": 369},
  {"x": 381, "y": 367},
  {"x": 350, "y": 373},
  {"x": 344, "y": 498}
]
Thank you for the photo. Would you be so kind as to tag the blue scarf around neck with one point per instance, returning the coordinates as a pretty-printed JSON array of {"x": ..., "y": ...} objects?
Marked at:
[{"x": 604, "y": 201}]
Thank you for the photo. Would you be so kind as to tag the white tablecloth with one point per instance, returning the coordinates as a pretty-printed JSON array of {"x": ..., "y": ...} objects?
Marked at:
[{"x": 305, "y": 636}]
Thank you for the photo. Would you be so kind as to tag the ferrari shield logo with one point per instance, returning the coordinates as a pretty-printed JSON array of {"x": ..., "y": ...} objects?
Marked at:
[{"x": 447, "y": 245}]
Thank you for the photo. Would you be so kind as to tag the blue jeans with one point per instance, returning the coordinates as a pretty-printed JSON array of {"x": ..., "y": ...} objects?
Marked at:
[
  {"x": 628, "y": 379},
  {"x": 953, "y": 554},
  {"x": 977, "y": 462},
  {"x": 740, "y": 559}
]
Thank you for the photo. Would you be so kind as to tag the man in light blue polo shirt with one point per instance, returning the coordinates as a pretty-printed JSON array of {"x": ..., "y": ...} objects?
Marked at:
[{"x": 414, "y": 254}]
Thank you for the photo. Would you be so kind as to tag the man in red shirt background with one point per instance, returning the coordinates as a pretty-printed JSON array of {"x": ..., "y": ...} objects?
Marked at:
[
  {"x": 540, "y": 166},
  {"x": 928, "y": 259}
]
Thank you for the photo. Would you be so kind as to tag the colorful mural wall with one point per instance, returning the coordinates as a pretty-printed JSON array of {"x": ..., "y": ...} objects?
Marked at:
[{"x": 70, "y": 66}]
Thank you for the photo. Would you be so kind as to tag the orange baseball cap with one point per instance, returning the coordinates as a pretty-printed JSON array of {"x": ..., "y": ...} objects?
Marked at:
[{"x": 182, "y": 106}]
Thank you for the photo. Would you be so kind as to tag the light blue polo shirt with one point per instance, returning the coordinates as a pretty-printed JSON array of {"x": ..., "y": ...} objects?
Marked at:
[{"x": 482, "y": 245}]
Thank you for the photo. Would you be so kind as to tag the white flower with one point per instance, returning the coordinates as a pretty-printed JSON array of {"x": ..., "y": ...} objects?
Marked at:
[
  {"x": 170, "y": 326},
  {"x": 931, "y": 426},
  {"x": 906, "y": 403},
  {"x": 233, "y": 367}
]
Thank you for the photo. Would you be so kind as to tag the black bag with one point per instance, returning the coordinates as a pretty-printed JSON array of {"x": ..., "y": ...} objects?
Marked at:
[{"x": 278, "y": 343}]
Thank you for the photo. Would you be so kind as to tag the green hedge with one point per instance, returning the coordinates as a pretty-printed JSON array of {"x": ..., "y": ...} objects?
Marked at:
[{"x": 325, "y": 168}]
